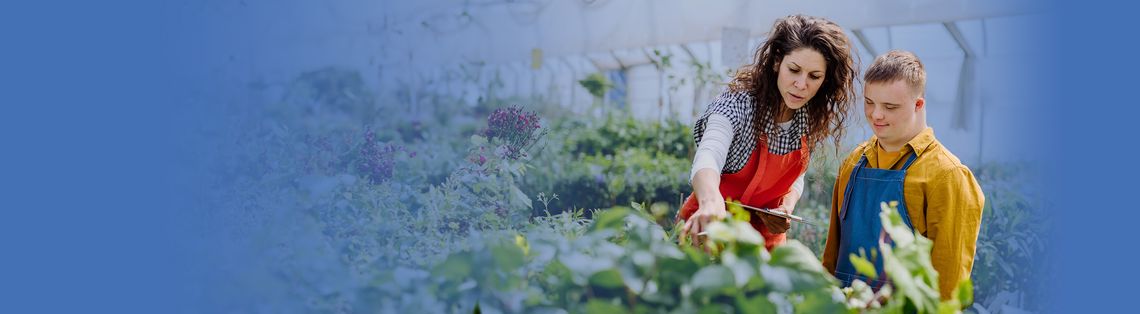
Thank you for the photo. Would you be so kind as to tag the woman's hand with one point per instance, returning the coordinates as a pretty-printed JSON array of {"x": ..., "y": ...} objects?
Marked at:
[
  {"x": 776, "y": 224},
  {"x": 709, "y": 209}
]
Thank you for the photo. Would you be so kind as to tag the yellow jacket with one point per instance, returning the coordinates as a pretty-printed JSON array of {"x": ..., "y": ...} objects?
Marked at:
[{"x": 942, "y": 197}]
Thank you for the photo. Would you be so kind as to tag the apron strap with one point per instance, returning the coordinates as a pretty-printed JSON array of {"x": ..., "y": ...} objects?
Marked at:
[
  {"x": 847, "y": 191},
  {"x": 855, "y": 172},
  {"x": 909, "y": 160}
]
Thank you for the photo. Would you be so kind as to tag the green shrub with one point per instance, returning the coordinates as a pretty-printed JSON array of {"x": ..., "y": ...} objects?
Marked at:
[
  {"x": 1008, "y": 263},
  {"x": 625, "y": 263}
]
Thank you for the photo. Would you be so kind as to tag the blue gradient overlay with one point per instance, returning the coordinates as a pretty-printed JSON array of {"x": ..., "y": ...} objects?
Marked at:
[{"x": 117, "y": 115}]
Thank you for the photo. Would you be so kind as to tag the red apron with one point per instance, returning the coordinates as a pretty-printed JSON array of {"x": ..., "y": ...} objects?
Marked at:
[{"x": 763, "y": 182}]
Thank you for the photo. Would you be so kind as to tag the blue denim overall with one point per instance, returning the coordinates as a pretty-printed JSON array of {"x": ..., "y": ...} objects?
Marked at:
[{"x": 860, "y": 224}]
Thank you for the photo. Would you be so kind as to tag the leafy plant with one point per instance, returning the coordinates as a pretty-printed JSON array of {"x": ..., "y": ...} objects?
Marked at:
[
  {"x": 435, "y": 214},
  {"x": 596, "y": 84},
  {"x": 1008, "y": 263},
  {"x": 616, "y": 162},
  {"x": 625, "y": 263},
  {"x": 815, "y": 202},
  {"x": 616, "y": 133},
  {"x": 913, "y": 282}
]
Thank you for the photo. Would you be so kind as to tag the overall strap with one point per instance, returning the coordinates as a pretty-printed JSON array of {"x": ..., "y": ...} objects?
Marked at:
[
  {"x": 851, "y": 185},
  {"x": 909, "y": 160}
]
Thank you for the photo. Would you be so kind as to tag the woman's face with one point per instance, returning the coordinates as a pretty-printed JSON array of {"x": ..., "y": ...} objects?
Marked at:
[{"x": 800, "y": 75}]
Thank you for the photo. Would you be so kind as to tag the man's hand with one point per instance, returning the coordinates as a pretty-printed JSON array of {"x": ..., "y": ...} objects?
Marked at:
[{"x": 776, "y": 224}]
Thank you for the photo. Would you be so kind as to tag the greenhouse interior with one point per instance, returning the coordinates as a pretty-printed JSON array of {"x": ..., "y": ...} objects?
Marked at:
[{"x": 375, "y": 175}]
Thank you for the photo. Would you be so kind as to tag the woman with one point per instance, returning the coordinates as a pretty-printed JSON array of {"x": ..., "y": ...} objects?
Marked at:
[{"x": 754, "y": 140}]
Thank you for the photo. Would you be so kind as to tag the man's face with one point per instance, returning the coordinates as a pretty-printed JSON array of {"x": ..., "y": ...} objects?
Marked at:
[{"x": 892, "y": 110}]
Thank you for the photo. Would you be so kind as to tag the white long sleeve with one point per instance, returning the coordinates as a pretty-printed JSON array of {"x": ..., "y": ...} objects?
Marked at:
[
  {"x": 712, "y": 151},
  {"x": 798, "y": 186},
  {"x": 713, "y": 148}
]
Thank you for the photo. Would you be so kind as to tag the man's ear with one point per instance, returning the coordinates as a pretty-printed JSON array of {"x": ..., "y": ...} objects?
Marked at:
[{"x": 919, "y": 104}]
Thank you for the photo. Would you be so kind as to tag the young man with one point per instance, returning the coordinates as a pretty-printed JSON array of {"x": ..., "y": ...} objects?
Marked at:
[{"x": 938, "y": 196}]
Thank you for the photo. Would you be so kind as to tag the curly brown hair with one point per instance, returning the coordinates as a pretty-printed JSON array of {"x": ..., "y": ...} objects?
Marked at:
[{"x": 827, "y": 111}]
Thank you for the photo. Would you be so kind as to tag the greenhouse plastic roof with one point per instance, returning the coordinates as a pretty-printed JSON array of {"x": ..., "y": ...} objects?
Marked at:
[{"x": 435, "y": 33}]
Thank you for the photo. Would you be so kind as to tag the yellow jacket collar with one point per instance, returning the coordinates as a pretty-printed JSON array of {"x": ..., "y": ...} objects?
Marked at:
[{"x": 919, "y": 143}]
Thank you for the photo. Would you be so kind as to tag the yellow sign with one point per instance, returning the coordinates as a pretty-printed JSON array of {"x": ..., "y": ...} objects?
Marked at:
[{"x": 536, "y": 58}]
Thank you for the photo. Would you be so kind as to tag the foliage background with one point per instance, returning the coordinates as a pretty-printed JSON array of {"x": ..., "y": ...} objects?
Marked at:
[{"x": 331, "y": 204}]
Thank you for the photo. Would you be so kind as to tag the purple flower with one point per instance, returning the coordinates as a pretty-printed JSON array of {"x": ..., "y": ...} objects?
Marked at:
[
  {"x": 515, "y": 128},
  {"x": 377, "y": 161},
  {"x": 478, "y": 159}
]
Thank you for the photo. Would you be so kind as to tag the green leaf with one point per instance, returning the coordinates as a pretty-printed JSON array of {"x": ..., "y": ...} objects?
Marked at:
[
  {"x": 583, "y": 266},
  {"x": 637, "y": 206},
  {"x": 795, "y": 255},
  {"x": 596, "y": 84},
  {"x": 949, "y": 307},
  {"x": 714, "y": 309},
  {"x": 558, "y": 273},
  {"x": 659, "y": 209},
  {"x": 720, "y": 232},
  {"x": 603, "y": 307},
  {"x": 965, "y": 292},
  {"x": 901, "y": 279},
  {"x": 455, "y": 268},
  {"x": 644, "y": 309},
  {"x": 742, "y": 270},
  {"x": 508, "y": 257},
  {"x": 820, "y": 302},
  {"x": 521, "y": 242},
  {"x": 613, "y": 218},
  {"x": 673, "y": 273},
  {"x": 746, "y": 234},
  {"x": 643, "y": 259},
  {"x": 713, "y": 278},
  {"x": 738, "y": 213},
  {"x": 478, "y": 140},
  {"x": 758, "y": 304},
  {"x": 863, "y": 266},
  {"x": 893, "y": 225},
  {"x": 631, "y": 277},
  {"x": 667, "y": 251},
  {"x": 616, "y": 184},
  {"x": 609, "y": 278},
  {"x": 518, "y": 197},
  {"x": 778, "y": 278}
]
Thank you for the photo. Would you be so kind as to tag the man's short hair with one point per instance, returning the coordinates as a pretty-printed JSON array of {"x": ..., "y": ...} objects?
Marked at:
[{"x": 897, "y": 65}]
